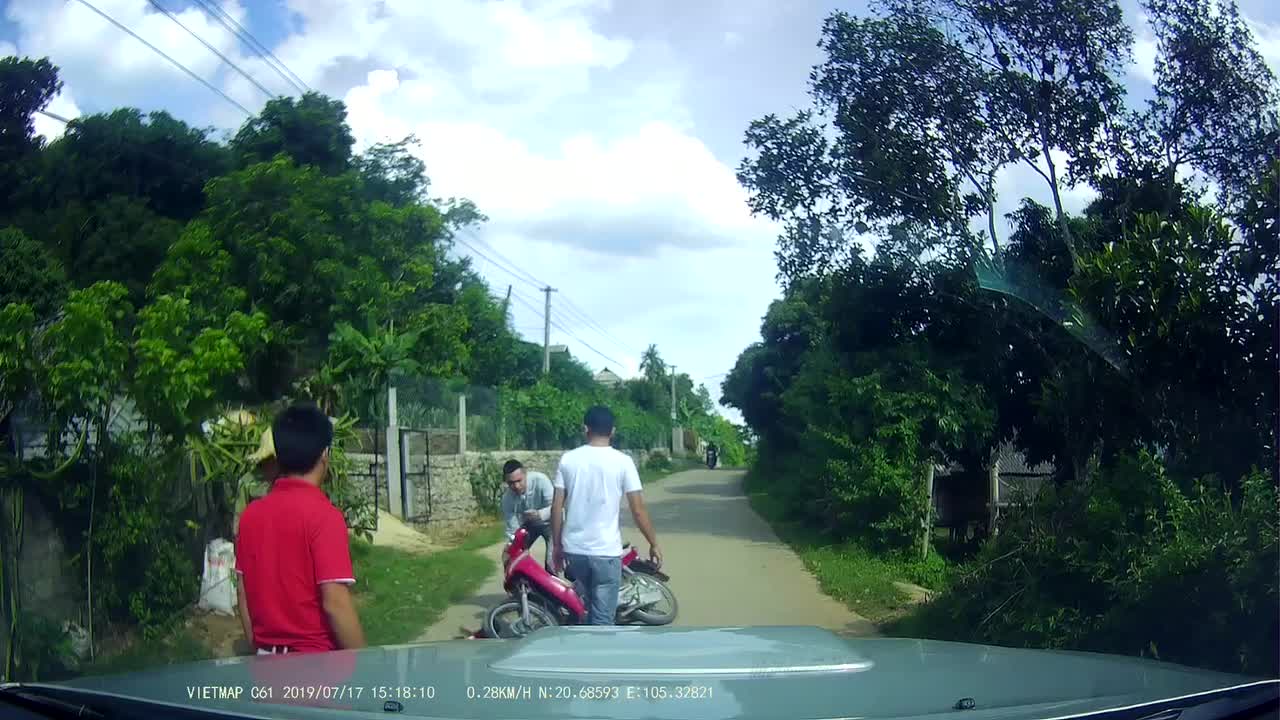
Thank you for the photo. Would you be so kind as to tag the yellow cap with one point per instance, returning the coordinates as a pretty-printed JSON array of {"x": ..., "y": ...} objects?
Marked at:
[{"x": 266, "y": 449}]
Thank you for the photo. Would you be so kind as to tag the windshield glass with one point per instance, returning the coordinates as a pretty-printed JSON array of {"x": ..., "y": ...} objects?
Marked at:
[{"x": 332, "y": 326}]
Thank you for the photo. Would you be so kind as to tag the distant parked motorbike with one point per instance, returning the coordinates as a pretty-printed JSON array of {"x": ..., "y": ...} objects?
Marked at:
[
  {"x": 540, "y": 599},
  {"x": 713, "y": 457}
]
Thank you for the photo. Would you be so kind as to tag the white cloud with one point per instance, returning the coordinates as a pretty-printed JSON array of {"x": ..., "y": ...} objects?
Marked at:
[
  {"x": 62, "y": 105},
  {"x": 589, "y": 167},
  {"x": 1144, "y": 58},
  {"x": 1267, "y": 36},
  {"x": 645, "y": 229},
  {"x": 484, "y": 58},
  {"x": 91, "y": 52}
]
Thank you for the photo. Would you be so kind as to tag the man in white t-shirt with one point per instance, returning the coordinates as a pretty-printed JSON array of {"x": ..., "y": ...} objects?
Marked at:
[{"x": 589, "y": 486}]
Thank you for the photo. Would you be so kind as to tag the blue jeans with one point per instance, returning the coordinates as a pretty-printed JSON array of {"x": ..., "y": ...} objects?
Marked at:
[{"x": 597, "y": 579}]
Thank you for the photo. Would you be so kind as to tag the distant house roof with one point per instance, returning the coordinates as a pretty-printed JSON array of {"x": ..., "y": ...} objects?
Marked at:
[
  {"x": 1013, "y": 462},
  {"x": 608, "y": 378}
]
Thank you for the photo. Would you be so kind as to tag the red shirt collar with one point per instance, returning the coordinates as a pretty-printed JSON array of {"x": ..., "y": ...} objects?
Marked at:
[{"x": 292, "y": 482}]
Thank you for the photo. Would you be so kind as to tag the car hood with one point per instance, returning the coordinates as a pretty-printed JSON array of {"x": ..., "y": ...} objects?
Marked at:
[{"x": 703, "y": 673}]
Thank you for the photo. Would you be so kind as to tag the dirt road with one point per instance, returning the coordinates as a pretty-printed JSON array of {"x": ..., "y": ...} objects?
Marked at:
[{"x": 727, "y": 567}]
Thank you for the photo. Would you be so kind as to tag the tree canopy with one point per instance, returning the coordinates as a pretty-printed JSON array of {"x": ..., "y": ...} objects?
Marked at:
[{"x": 1131, "y": 345}]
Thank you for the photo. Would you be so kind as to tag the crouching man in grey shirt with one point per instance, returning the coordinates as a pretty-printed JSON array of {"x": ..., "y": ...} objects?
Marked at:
[{"x": 527, "y": 502}]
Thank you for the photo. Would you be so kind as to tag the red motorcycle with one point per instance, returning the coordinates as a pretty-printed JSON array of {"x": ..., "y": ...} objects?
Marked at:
[{"x": 540, "y": 599}]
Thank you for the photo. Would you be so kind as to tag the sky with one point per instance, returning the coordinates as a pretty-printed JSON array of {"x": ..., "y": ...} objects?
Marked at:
[{"x": 600, "y": 137}]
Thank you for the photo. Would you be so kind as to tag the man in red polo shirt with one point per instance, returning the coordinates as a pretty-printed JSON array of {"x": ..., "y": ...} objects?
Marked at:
[{"x": 292, "y": 553}]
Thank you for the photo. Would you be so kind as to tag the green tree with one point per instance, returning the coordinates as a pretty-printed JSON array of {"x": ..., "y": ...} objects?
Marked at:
[
  {"x": 30, "y": 274},
  {"x": 927, "y": 102},
  {"x": 369, "y": 360},
  {"x": 311, "y": 130},
  {"x": 652, "y": 365},
  {"x": 26, "y": 86},
  {"x": 157, "y": 159},
  {"x": 1216, "y": 107},
  {"x": 391, "y": 173},
  {"x": 187, "y": 369},
  {"x": 118, "y": 238}
]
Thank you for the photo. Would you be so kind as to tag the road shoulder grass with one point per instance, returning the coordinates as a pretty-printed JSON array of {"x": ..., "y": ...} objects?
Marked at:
[
  {"x": 398, "y": 594},
  {"x": 872, "y": 585}
]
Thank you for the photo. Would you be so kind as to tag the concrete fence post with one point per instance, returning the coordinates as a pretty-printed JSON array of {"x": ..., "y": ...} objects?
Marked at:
[
  {"x": 395, "y": 501},
  {"x": 928, "y": 514},
  {"x": 994, "y": 480},
  {"x": 462, "y": 424}
]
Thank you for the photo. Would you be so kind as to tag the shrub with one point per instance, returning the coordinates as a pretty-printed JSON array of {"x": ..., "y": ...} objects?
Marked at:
[
  {"x": 658, "y": 461},
  {"x": 135, "y": 577},
  {"x": 1187, "y": 575},
  {"x": 168, "y": 587},
  {"x": 485, "y": 478}
]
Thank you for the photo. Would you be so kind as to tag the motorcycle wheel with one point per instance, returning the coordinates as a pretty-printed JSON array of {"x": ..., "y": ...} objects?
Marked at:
[
  {"x": 504, "y": 620},
  {"x": 661, "y": 613}
]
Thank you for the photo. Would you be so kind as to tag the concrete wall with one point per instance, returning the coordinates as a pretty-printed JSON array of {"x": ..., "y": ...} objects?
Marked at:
[
  {"x": 47, "y": 583},
  {"x": 446, "y": 497}
]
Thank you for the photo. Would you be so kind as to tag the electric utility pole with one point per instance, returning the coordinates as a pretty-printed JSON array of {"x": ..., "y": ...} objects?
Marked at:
[
  {"x": 673, "y": 394},
  {"x": 677, "y": 437},
  {"x": 546, "y": 332}
]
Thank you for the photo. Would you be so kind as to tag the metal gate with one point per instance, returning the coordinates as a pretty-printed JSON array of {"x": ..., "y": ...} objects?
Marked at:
[{"x": 412, "y": 513}]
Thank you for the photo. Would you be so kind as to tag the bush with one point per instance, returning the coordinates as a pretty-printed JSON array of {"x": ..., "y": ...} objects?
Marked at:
[
  {"x": 168, "y": 587},
  {"x": 485, "y": 478},
  {"x": 1188, "y": 576},
  {"x": 658, "y": 461},
  {"x": 45, "y": 651},
  {"x": 136, "y": 578}
]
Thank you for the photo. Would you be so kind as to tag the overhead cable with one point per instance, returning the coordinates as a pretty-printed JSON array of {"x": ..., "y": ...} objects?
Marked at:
[
  {"x": 268, "y": 57},
  {"x": 166, "y": 56},
  {"x": 156, "y": 4}
]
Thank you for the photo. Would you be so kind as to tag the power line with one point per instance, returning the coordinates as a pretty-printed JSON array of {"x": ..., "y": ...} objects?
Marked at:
[
  {"x": 577, "y": 314},
  {"x": 572, "y": 310},
  {"x": 575, "y": 308},
  {"x": 588, "y": 345},
  {"x": 590, "y": 325},
  {"x": 156, "y": 4},
  {"x": 55, "y": 116},
  {"x": 166, "y": 56},
  {"x": 491, "y": 261},
  {"x": 527, "y": 275},
  {"x": 247, "y": 38},
  {"x": 527, "y": 303},
  {"x": 508, "y": 266}
]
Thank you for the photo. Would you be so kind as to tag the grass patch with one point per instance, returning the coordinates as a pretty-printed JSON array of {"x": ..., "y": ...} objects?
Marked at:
[
  {"x": 862, "y": 580},
  {"x": 490, "y": 533},
  {"x": 177, "y": 646},
  {"x": 399, "y": 594}
]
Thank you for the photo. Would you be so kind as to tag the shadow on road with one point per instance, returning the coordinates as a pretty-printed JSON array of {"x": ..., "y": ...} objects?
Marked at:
[
  {"x": 696, "y": 506},
  {"x": 720, "y": 489}
]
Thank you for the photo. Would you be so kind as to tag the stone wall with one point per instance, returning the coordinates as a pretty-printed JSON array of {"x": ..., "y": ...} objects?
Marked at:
[
  {"x": 446, "y": 497},
  {"x": 50, "y": 588}
]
